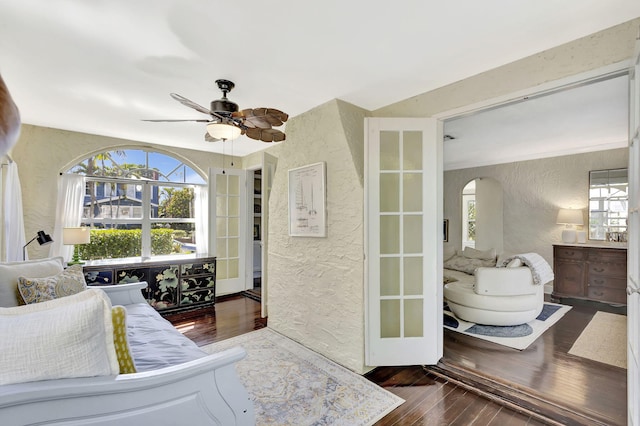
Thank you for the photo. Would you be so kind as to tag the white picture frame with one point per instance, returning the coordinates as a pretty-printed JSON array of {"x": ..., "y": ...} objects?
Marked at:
[{"x": 307, "y": 201}]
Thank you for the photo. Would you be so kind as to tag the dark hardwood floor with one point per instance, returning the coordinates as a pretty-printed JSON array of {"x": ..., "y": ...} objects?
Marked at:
[{"x": 477, "y": 382}]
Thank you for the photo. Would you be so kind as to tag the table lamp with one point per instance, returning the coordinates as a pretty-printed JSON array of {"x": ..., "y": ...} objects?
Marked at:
[
  {"x": 75, "y": 236},
  {"x": 569, "y": 217}
]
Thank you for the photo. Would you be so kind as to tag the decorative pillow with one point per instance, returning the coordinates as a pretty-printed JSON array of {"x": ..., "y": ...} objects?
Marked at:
[
  {"x": 466, "y": 265},
  {"x": 10, "y": 271},
  {"x": 125, "y": 360},
  {"x": 62, "y": 338},
  {"x": 448, "y": 252},
  {"x": 472, "y": 253},
  {"x": 68, "y": 282}
]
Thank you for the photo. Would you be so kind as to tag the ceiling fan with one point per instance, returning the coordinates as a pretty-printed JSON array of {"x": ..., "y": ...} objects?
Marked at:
[{"x": 226, "y": 122}]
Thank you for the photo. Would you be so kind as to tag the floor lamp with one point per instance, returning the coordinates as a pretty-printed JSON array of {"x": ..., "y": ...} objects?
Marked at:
[{"x": 42, "y": 238}]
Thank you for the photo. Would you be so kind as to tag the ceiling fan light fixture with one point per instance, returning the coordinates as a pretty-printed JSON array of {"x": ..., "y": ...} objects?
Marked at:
[{"x": 223, "y": 131}]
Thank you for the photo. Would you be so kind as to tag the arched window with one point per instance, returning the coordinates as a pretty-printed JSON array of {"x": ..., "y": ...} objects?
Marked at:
[{"x": 139, "y": 203}]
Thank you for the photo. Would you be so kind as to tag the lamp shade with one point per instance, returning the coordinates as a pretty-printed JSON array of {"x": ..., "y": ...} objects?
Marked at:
[
  {"x": 223, "y": 131},
  {"x": 570, "y": 217},
  {"x": 43, "y": 238},
  {"x": 78, "y": 235}
]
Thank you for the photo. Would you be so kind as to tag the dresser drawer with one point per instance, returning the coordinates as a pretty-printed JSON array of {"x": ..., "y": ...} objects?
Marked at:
[
  {"x": 608, "y": 294},
  {"x": 608, "y": 255},
  {"x": 198, "y": 268},
  {"x": 602, "y": 281},
  {"x": 614, "y": 270},
  {"x": 197, "y": 282},
  {"x": 570, "y": 253},
  {"x": 198, "y": 296}
]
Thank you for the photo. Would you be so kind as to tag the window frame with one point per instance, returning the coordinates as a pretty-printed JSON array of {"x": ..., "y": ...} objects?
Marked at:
[{"x": 146, "y": 222}]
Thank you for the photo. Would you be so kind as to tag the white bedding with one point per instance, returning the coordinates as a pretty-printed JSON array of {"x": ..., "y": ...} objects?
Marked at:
[
  {"x": 154, "y": 342},
  {"x": 457, "y": 276}
]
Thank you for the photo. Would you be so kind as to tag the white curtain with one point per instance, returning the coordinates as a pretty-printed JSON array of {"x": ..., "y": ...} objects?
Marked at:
[
  {"x": 68, "y": 212},
  {"x": 13, "y": 217},
  {"x": 201, "y": 206}
]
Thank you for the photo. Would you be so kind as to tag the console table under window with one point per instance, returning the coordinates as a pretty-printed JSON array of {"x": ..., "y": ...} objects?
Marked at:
[{"x": 174, "y": 283}]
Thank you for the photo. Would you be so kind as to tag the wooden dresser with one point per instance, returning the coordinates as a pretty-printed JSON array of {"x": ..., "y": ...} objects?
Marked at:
[{"x": 590, "y": 272}]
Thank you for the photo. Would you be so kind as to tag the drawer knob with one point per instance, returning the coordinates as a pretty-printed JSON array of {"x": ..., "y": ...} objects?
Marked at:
[{"x": 599, "y": 269}]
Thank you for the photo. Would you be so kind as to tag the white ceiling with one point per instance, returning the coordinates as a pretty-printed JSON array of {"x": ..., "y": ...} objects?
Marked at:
[
  {"x": 586, "y": 118},
  {"x": 101, "y": 66}
]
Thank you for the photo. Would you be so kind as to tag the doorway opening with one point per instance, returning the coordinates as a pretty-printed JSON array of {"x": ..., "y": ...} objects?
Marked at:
[{"x": 530, "y": 377}]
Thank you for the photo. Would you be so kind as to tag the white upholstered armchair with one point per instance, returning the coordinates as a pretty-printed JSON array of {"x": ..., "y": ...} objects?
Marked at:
[{"x": 499, "y": 296}]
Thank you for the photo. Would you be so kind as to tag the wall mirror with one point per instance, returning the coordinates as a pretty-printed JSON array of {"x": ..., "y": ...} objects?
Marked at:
[{"x": 608, "y": 201}]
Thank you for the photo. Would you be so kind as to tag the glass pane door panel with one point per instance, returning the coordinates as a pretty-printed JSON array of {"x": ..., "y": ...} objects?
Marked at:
[
  {"x": 234, "y": 185},
  {"x": 413, "y": 323},
  {"x": 412, "y": 192},
  {"x": 389, "y": 192},
  {"x": 390, "y": 276},
  {"x": 413, "y": 276},
  {"x": 234, "y": 206},
  {"x": 412, "y": 241},
  {"x": 412, "y": 150},
  {"x": 389, "y": 150},
  {"x": 233, "y": 247},
  {"x": 233, "y": 227},
  {"x": 233, "y": 270},
  {"x": 221, "y": 269},
  {"x": 390, "y": 318},
  {"x": 389, "y": 234},
  {"x": 221, "y": 226},
  {"x": 221, "y": 204},
  {"x": 221, "y": 248},
  {"x": 221, "y": 184}
]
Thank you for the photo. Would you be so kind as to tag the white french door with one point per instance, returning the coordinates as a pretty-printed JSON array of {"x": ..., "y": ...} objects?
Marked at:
[
  {"x": 228, "y": 207},
  {"x": 633, "y": 249},
  {"x": 403, "y": 241},
  {"x": 269, "y": 163}
]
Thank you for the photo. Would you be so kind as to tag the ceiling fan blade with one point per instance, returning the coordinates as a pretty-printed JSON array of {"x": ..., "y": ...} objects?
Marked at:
[
  {"x": 187, "y": 102},
  {"x": 265, "y": 135},
  {"x": 263, "y": 118},
  {"x": 174, "y": 121}
]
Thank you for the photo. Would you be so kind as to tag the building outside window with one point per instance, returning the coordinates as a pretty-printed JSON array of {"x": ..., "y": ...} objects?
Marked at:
[{"x": 138, "y": 203}]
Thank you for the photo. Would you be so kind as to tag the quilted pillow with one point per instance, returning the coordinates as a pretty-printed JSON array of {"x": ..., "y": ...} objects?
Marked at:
[
  {"x": 62, "y": 338},
  {"x": 69, "y": 281},
  {"x": 467, "y": 265},
  {"x": 125, "y": 360}
]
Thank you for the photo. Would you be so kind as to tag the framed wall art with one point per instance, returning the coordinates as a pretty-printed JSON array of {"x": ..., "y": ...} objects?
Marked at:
[{"x": 307, "y": 201}]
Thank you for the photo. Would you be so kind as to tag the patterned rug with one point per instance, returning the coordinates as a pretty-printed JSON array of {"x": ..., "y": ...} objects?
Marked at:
[
  {"x": 515, "y": 336},
  {"x": 292, "y": 385},
  {"x": 604, "y": 339}
]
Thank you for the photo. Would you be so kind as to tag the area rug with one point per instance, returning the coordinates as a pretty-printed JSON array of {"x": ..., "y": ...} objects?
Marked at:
[
  {"x": 604, "y": 340},
  {"x": 292, "y": 385},
  {"x": 516, "y": 336}
]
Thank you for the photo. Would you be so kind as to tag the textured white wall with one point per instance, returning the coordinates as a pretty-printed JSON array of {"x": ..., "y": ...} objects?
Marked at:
[
  {"x": 533, "y": 191},
  {"x": 316, "y": 284},
  {"x": 42, "y": 153}
]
